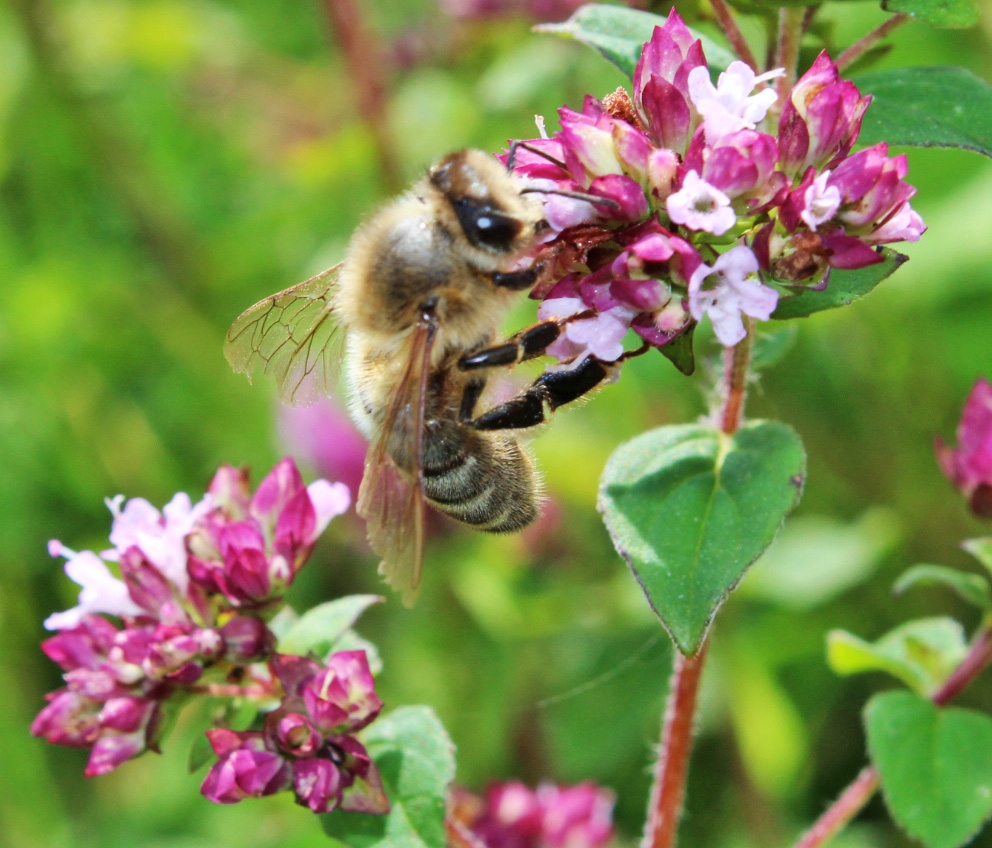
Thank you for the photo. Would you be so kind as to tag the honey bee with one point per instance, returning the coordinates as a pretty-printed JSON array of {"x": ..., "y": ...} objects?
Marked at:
[{"x": 421, "y": 294}]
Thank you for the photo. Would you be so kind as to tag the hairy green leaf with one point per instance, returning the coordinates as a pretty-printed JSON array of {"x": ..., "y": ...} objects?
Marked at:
[
  {"x": 416, "y": 760},
  {"x": 927, "y": 107},
  {"x": 920, "y": 653},
  {"x": 935, "y": 766},
  {"x": 619, "y": 33},
  {"x": 690, "y": 508},
  {"x": 953, "y": 14},
  {"x": 843, "y": 289},
  {"x": 973, "y": 588},
  {"x": 318, "y": 628}
]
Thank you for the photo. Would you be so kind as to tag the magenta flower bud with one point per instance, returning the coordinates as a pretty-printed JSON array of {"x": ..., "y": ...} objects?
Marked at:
[
  {"x": 663, "y": 167},
  {"x": 246, "y": 639},
  {"x": 70, "y": 719},
  {"x": 149, "y": 588},
  {"x": 317, "y": 784},
  {"x": 246, "y": 574},
  {"x": 245, "y": 768},
  {"x": 969, "y": 465},
  {"x": 821, "y": 119},
  {"x": 624, "y": 191},
  {"x": 515, "y": 806},
  {"x": 294, "y": 735},
  {"x": 230, "y": 491},
  {"x": 633, "y": 149},
  {"x": 363, "y": 791},
  {"x": 587, "y": 143},
  {"x": 343, "y": 695},
  {"x": 575, "y": 817},
  {"x": 127, "y": 725},
  {"x": 84, "y": 646},
  {"x": 661, "y": 87},
  {"x": 741, "y": 165}
]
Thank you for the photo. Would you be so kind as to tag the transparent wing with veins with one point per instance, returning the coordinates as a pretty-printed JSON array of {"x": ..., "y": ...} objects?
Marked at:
[
  {"x": 391, "y": 499},
  {"x": 293, "y": 337}
]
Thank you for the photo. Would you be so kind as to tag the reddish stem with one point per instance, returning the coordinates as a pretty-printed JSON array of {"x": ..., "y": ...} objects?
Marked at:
[
  {"x": 860, "y": 791},
  {"x": 790, "y": 26},
  {"x": 865, "y": 43},
  {"x": 737, "y": 361},
  {"x": 231, "y": 690},
  {"x": 733, "y": 32},
  {"x": 367, "y": 66},
  {"x": 668, "y": 790}
]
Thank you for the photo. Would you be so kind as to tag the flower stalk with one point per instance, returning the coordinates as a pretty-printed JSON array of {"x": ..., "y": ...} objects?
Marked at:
[
  {"x": 865, "y": 43},
  {"x": 736, "y": 368},
  {"x": 853, "y": 799},
  {"x": 790, "y": 28},
  {"x": 668, "y": 790},
  {"x": 733, "y": 32}
]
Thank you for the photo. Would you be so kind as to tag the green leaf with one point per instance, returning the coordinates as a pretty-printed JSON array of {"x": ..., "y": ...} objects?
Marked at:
[
  {"x": 927, "y": 107},
  {"x": 920, "y": 653},
  {"x": 200, "y": 753},
  {"x": 980, "y": 549},
  {"x": 935, "y": 766},
  {"x": 619, "y": 34},
  {"x": 318, "y": 628},
  {"x": 416, "y": 760},
  {"x": 690, "y": 508},
  {"x": 953, "y": 14},
  {"x": 973, "y": 588},
  {"x": 843, "y": 288},
  {"x": 679, "y": 351}
]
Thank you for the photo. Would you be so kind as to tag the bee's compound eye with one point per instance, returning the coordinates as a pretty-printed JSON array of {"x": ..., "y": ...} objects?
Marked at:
[{"x": 486, "y": 227}]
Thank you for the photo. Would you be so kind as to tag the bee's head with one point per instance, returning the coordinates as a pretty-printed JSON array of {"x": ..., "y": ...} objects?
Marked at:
[{"x": 486, "y": 201}]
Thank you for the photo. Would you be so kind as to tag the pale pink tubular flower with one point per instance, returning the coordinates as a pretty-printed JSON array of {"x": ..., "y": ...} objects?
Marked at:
[
  {"x": 728, "y": 289},
  {"x": 729, "y": 106},
  {"x": 701, "y": 206}
]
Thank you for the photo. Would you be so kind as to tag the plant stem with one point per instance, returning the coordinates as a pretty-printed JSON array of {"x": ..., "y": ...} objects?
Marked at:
[
  {"x": 790, "y": 28},
  {"x": 737, "y": 361},
  {"x": 864, "y": 44},
  {"x": 367, "y": 65},
  {"x": 668, "y": 789},
  {"x": 230, "y": 690},
  {"x": 459, "y": 836},
  {"x": 733, "y": 32},
  {"x": 853, "y": 799}
]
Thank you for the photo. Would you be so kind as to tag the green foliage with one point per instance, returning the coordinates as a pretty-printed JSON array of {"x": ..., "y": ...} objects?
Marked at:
[
  {"x": 935, "y": 766},
  {"x": 844, "y": 288},
  {"x": 938, "y": 13},
  {"x": 927, "y": 107},
  {"x": 690, "y": 508},
  {"x": 319, "y": 628},
  {"x": 980, "y": 549},
  {"x": 619, "y": 33},
  {"x": 971, "y": 587},
  {"x": 920, "y": 653},
  {"x": 416, "y": 759},
  {"x": 679, "y": 351}
]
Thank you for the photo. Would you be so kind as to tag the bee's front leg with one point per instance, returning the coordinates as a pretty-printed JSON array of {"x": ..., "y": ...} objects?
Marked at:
[{"x": 524, "y": 345}]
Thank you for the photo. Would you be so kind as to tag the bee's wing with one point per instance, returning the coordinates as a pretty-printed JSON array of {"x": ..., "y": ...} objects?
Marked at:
[
  {"x": 293, "y": 336},
  {"x": 391, "y": 499}
]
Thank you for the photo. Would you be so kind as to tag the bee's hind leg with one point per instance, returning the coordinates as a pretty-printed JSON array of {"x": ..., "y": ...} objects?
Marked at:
[{"x": 549, "y": 391}]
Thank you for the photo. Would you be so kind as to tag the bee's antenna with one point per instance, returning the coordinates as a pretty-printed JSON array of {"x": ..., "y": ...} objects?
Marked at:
[
  {"x": 511, "y": 160},
  {"x": 577, "y": 195}
]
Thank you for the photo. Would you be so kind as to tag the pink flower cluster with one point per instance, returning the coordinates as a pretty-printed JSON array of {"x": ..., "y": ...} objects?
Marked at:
[
  {"x": 969, "y": 465},
  {"x": 197, "y": 585},
  {"x": 513, "y": 816},
  {"x": 306, "y": 743},
  {"x": 709, "y": 210}
]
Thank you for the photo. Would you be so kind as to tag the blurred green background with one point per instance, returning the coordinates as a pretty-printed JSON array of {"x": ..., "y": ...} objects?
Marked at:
[{"x": 165, "y": 163}]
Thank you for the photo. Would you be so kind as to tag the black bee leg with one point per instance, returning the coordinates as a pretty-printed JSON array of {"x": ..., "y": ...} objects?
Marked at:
[
  {"x": 518, "y": 280},
  {"x": 524, "y": 345},
  {"x": 549, "y": 391},
  {"x": 470, "y": 397}
]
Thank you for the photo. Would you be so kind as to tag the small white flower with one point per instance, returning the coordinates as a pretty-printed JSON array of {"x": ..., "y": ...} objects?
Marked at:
[
  {"x": 101, "y": 592},
  {"x": 700, "y": 206},
  {"x": 727, "y": 289},
  {"x": 600, "y": 336},
  {"x": 329, "y": 500},
  {"x": 729, "y": 106},
  {"x": 160, "y": 535},
  {"x": 820, "y": 202}
]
